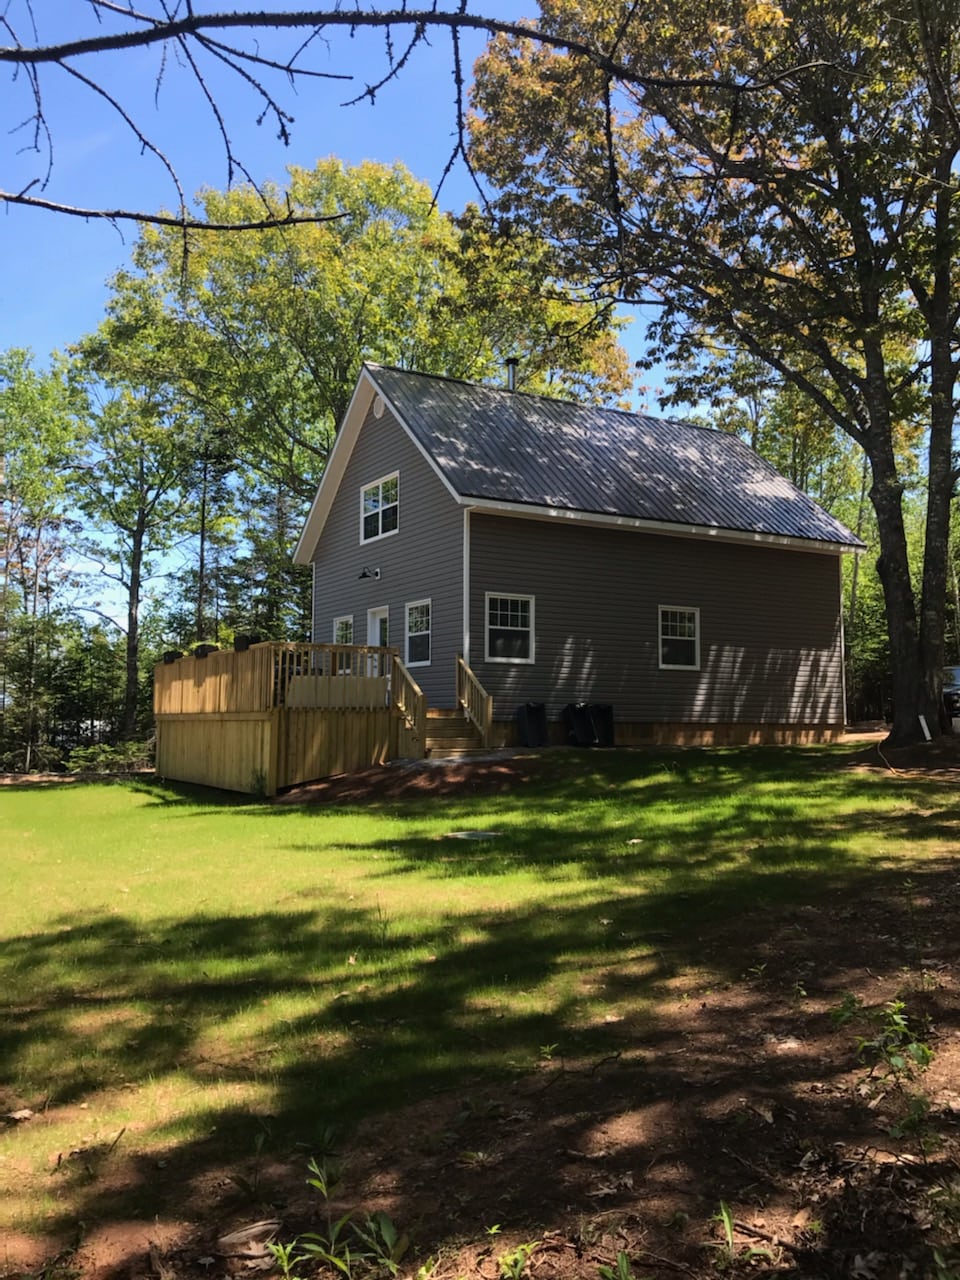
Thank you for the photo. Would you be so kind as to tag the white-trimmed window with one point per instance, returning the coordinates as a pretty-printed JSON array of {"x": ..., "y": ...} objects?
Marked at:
[
  {"x": 509, "y": 628},
  {"x": 380, "y": 508},
  {"x": 679, "y": 637},
  {"x": 343, "y": 634},
  {"x": 418, "y": 633},
  {"x": 343, "y": 629}
]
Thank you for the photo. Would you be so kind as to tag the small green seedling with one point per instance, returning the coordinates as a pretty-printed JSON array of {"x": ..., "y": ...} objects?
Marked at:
[
  {"x": 513, "y": 1263},
  {"x": 622, "y": 1270}
]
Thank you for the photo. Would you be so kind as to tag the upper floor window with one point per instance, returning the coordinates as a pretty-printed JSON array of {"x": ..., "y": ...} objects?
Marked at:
[
  {"x": 679, "y": 637},
  {"x": 380, "y": 508},
  {"x": 509, "y": 628}
]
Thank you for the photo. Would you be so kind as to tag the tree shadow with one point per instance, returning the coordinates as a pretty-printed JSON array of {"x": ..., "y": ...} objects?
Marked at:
[{"x": 718, "y": 953}]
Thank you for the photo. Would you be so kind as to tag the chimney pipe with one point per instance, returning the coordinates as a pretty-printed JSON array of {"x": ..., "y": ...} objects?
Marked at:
[{"x": 511, "y": 363}]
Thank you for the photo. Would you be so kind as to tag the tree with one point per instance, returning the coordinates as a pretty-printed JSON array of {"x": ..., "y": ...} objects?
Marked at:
[
  {"x": 257, "y": 341},
  {"x": 263, "y": 335},
  {"x": 41, "y": 430},
  {"x": 132, "y": 488},
  {"x": 783, "y": 178}
]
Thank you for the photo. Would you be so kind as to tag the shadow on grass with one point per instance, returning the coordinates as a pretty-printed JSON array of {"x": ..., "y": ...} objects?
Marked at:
[{"x": 742, "y": 867}]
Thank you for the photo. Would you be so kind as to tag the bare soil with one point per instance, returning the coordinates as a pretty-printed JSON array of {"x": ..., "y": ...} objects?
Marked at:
[{"x": 746, "y": 1094}]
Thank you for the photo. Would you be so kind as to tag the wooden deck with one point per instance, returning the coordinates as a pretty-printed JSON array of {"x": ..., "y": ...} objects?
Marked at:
[{"x": 279, "y": 714}]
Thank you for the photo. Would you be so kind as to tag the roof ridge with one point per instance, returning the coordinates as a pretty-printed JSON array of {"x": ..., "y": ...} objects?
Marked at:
[{"x": 541, "y": 395}]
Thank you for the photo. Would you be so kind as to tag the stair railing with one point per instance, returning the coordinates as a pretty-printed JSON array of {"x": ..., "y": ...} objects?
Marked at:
[
  {"x": 475, "y": 702},
  {"x": 410, "y": 701}
]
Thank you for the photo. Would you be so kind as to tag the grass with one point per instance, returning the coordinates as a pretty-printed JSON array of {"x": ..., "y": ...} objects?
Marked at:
[{"x": 182, "y": 971}]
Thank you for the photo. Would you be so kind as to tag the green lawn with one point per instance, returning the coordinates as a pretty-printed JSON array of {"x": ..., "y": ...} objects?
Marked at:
[{"x": 182, "y": 971}]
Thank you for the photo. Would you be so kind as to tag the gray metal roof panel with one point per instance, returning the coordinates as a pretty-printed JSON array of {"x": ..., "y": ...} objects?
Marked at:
[{"x": 507, "y": 446}]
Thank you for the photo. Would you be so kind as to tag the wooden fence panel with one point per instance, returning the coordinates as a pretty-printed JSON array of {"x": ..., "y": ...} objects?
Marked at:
[
  {"x": 217, "y": 684},
  {"x": 315, "y": 742},
  {"x": 337, "y": 691},
  {"x": 229, "y": 751}
]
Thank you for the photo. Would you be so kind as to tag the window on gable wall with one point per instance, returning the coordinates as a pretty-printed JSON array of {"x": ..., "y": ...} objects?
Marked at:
[
  {"x": 380, "y": 508},
  {"x": 509, "y": 628},
  {"x": 418, "y": 633},
  {"x": 679, "y": 637}
]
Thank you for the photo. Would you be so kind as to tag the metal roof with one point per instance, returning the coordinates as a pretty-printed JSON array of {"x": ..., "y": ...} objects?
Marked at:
[{"x": 510, "y": 447}]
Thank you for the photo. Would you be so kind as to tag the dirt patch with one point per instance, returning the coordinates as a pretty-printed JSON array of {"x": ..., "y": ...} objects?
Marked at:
[
  {"x": 746, "y": 1097},
  {"x": 412, "y": 780}
]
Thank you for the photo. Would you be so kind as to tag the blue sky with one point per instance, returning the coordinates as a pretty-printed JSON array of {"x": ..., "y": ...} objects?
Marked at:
[{"x": 55, "y": 267}]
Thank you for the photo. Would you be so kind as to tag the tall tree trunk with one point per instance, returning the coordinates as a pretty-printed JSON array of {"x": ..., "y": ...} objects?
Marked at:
[
  {"x": 893, "y": 569},
  {"x": 200, "y": 621},
  {"x": 128, "y": 720}
]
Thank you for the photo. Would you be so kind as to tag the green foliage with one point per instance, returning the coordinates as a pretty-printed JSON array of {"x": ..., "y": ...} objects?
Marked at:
[
  {"x": 746, "y": 170},
  {"x": 894, "y": 1048},
  {"x": 368, "y": 1246},
  {"x": 622, "y": 1270},
  {"x": 729, "y": 1253},
  {"x": 125, "y": 757},
  {"x": 513, "y": 1262}
]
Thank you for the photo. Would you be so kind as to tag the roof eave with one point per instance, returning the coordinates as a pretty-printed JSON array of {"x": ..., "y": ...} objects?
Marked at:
[
  {"x": 529, "y": 511},
  {"x": 353, "y": 419}
]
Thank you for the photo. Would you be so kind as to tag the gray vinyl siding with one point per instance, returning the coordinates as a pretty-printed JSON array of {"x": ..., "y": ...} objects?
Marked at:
[
  {"x": 423, "y": 560},
  {"x": 770, "y": 640}
]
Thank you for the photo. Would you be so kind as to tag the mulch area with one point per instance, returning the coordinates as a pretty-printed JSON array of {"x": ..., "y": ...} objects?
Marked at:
[{"x": 508, "y": 771}]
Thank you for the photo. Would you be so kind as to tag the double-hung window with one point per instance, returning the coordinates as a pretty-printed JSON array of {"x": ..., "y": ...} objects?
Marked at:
[
  {"x": 343, "y": 634},
  {"x": 679, "y": 638},
  {"x": 418, "y": 633},
  {"x": 343, "y": 629},
  {"x": 509, "y": 628},
  {"x": 380, "y": 508}
]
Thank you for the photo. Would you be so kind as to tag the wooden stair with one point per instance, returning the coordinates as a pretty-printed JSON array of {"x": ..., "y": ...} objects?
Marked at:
[{"x": 450, "y": 733}]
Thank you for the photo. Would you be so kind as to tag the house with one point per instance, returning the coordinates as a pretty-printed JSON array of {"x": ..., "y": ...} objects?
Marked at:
[{"x": 574, "y": 554}]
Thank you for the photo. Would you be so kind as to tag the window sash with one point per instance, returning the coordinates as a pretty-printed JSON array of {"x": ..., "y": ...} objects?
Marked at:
[
  {"x": 509, "y": 628},
  {"x": 343, "y": 629},
  {"x": 380, "y": 508},
  {"x": 679, "y": 638},
  {"x": 418, "y": 624}
]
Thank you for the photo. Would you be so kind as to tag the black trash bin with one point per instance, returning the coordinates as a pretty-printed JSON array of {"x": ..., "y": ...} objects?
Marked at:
[
  {"x": 532, "y": 724},
  {"x": 579, "y": 725},
  {"x": 601, "y": 715}
]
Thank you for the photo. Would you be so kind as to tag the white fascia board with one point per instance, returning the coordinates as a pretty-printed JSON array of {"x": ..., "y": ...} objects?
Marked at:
[
  {"x": 357, "y": 410},
  {"x": 363, "y": 396},
  {"x": 524, "y": 511}
]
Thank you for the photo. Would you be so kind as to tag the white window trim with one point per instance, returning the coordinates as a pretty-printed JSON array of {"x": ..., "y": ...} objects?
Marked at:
[
  {"x": 344, "y": 617},
  {"x": 508, "y": 595},
  {"x": 393, "y": 475},
  {"x": 412, "y": 604},
  {"x": 678, "y": 666}
]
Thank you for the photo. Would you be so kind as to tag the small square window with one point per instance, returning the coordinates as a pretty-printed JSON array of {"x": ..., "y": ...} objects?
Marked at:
[
  {"x": 418, "y": 633},
  {"x": 679, "y": 638},
  {"x": 509, "y": 628}
]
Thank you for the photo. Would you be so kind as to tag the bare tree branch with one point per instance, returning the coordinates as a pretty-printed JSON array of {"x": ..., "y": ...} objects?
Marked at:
[{"x": 182, "y": 222}]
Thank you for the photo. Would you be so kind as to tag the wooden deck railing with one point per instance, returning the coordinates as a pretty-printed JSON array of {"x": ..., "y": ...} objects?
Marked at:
[
  {"x": 411, "y": 702},
  {"x": 477, "y": 704},
  {"x": 332, "y": 675},
  {"x": 275, "y": 675}
]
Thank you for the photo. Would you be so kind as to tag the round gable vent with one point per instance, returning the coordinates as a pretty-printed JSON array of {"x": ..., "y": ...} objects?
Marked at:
[{"x": 378, "y": 407}]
